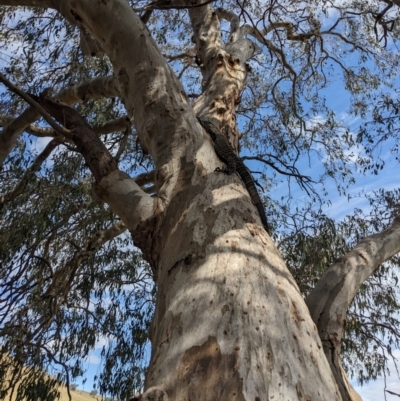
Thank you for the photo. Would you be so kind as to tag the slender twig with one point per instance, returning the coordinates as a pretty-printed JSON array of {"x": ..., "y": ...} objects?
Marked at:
[
  {"x": 392, "y": 392},
  {"x": 29, "y": 173}
]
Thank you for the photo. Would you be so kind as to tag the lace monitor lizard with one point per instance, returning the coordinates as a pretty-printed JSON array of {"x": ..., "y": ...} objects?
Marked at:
[{"x": 234, "y": 164}]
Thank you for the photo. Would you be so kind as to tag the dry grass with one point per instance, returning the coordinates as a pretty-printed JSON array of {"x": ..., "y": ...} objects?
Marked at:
[{"x": 76, "y": 395}]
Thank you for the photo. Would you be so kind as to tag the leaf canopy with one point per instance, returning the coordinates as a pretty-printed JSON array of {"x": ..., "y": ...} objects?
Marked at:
[{"x": 62, "y": 292}]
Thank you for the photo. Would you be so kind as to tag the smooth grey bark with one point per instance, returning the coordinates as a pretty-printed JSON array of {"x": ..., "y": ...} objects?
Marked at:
[
  {"x": 331, "y": 298},
  {"x": 230, "y": 322},
  {"x": 214, "y": 276}
]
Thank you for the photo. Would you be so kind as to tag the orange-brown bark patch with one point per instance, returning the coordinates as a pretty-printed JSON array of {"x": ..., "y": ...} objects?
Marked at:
[
  {"x": 300, "y": 393},
  {"x": 204, "y": 368}
]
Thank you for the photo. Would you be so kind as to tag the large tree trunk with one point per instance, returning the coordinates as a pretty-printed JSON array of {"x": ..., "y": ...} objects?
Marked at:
[{"x": 230, "y": 322}]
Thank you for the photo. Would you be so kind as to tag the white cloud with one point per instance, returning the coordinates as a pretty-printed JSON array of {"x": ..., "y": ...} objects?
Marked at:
[
  {"x": 102, "y": 341},
  {"x": 374, "y": 391},
  {"x": 40, "y": 144},
  {"x": 93, "y": 359}
]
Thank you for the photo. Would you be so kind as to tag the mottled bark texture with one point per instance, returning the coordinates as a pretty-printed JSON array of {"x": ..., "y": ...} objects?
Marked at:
[
  {"x": 329, "y": 301},
  {"x": 230, "y": 322}
]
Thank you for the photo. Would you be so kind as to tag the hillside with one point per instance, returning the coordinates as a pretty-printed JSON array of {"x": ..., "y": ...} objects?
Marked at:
[{"x": 77, "y": 395}]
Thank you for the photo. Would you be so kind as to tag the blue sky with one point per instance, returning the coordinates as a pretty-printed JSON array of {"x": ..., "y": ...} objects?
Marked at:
[
  {"x": 374, "y": 390},
  {"x": 340, "y": 206}
]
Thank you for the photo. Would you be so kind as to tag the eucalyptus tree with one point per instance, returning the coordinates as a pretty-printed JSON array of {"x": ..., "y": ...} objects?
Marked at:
[{"x": 129, "y": 174}]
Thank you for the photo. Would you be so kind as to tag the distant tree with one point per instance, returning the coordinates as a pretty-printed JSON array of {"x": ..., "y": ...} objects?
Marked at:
[
  {"x": 93, "y": 393},
  {"x": 112, "y": 213},
  {"x": 73, "y": 386}
]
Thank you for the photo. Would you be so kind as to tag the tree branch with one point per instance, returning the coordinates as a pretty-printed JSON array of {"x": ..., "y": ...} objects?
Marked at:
[
  {"x": 29, "y": 173},
  {"x": 253, "y": 31},
  {"x": 290, "y": 34},
  {"x": 116, "y": 188},
  {"x": 98, "y": 87},
  {"x": 101, "y": 237},
  {"x": 303, "y": 180},
  {"x": 392, "y": 392},
  {"x": 98, "y": 158},
  {"x": 234, "y": 21},
  {"x": 34, "y": 104},
  {"x": 148, "y": 87},
  {"x": 119, "y": 124},
  {"x": 329, "y": 301}
]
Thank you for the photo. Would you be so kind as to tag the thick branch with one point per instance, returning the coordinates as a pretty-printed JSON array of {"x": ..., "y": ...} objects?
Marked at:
[
  {"x": 331, "y": 298},
  {"x": 148, "y": 87},
  {"x": 119, "y": 124},
  {"x": 207, "y": 34},
  {"x": 329, "y": 301},
  {"x": 101, "y": 237},
  {"x": 233, "y": 19},
  {"x": 98, "y": 87},
  {"x": 14, "y": 129},
  {"x": 33, "y": 103},
  {"x": 223, "y": 67},
  {"x": 116, "y": 188},
  {"x": 96, "y": 155}
]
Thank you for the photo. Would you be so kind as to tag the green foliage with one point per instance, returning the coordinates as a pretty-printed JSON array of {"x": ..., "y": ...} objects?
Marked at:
[
  {"x": 59, "y": 297},
  {"x": 373, "y": 318}
]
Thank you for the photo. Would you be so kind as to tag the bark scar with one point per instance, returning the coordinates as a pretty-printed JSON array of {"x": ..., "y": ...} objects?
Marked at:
[{"x": 76, "y": 15}]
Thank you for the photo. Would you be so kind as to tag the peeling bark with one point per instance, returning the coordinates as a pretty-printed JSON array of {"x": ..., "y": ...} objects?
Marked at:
[
  {"x": 230, "y": 322},
  {"x": 223, "y": 67}
]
